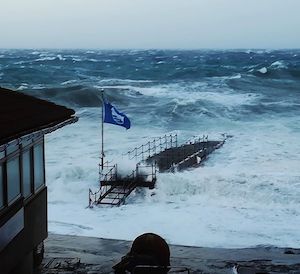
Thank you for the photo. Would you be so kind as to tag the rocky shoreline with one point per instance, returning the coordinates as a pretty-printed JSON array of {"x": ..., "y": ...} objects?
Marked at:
[{"x": 65, "y": 254}]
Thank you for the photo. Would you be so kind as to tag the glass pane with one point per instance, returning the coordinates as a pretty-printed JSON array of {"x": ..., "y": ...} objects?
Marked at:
[
  {"x": 38, "y": 157},
  {"x": 13, "y": 179},
  {"x": 1, "y": 186},
  {"x": 26, "y": 176},
  {"x": 11, "y": 148}
]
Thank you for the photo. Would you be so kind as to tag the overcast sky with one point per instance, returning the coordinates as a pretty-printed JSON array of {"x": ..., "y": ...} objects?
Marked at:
[{"x": 138, "y": 24}]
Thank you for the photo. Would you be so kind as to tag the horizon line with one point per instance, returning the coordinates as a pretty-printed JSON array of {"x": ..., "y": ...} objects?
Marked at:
[{"x": 146, "y": 49}]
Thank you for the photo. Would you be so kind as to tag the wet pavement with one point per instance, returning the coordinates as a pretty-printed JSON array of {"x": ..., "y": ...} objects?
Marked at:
[{"x": 66, "y": 254}]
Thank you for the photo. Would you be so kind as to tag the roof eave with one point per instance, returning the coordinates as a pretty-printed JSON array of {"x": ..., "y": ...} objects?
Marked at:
[{"x": 45, "y": 129}]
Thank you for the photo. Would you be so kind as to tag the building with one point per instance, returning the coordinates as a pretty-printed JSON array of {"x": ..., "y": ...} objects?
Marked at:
[{"x": 24, "y": 121}]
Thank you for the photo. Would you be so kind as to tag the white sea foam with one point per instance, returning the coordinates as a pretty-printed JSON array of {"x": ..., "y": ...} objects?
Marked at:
[
  {"x": 47, "y": 58},
  {"x": 263, "y": 70},
  {"x": 226, "y": 97},
  {"x": 38, "y": 86},
  {"x": 35, "y": 52},
  {"x": 68, "y": 82},
  {"x": 76, "y": 59},
  {"x": 246, "y": 194},
  {"x": 236, "y": 76},
  {"x": 22, "y": 62},
  {"x": 279, "y": 64},
  {"x": 59, "y": 56},
  {"x": 23, "y": 86},
  {"x": 115, "y": 82}
]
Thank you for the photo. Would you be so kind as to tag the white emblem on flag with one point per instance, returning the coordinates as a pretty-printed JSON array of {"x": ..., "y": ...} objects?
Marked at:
[{"x": 119, "y": 119}]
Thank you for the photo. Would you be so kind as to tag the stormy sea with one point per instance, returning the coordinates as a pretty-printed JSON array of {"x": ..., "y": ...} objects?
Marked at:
[{"x": 247, "y": 193}]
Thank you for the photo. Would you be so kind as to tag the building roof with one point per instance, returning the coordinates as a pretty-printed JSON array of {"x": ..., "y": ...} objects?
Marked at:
[{"x": 21, "y": 114}]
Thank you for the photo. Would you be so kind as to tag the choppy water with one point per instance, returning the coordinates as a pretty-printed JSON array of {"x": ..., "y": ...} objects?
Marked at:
[{"x": 248, "y": 192}]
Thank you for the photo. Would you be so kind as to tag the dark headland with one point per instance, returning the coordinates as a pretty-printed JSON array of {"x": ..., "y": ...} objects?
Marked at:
[{"x": 66, "y": 254}]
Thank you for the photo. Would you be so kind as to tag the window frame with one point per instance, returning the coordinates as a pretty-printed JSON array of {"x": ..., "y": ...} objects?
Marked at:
[
  {"x": 24, "y": 150},
  {"x": 15, "y": 149},
  {"x": 40, "y": 141},
  {"x": 2, "y": 183},
  {"x": 11, "y": 156}
]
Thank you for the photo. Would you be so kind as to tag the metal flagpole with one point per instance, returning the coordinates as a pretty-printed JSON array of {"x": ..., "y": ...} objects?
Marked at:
[{"x": 102, "y": 132}]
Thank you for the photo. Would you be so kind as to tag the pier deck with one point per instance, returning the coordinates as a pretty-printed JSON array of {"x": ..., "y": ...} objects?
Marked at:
[
  {"x": 162, "y": 153},
  {"x": 184, "y": 156}
]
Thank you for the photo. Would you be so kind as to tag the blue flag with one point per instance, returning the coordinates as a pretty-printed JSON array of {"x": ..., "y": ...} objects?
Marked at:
[{"x": 113, "y": 116}]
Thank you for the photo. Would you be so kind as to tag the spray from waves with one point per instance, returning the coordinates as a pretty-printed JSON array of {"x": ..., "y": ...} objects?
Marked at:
[
  {"x": 223, "y": 200},
  {"x": 279, "y": 65},
  {"x": 172, "y": 96},
  {"x": 72, "y": 96},
  {"x": 277, "y": 70},
  {"x": 177, "y": 102},
  {"x": 219, "y": 186},
  {"x": 245, "y": 194},
  {"x": 77, "y": 95}
]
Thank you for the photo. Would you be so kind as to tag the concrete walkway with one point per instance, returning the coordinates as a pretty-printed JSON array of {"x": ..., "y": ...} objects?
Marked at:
[{"x": 65, "y": 254}]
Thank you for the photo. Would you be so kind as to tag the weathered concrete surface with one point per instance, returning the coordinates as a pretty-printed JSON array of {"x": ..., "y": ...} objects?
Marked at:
[
  {"x": 99, "y": 255},
  {"x": 184, "y": 156}
]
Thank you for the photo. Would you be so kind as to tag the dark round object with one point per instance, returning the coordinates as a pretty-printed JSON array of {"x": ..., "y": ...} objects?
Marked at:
[
  {"x": 153, "y": 245},
  {"x": 148, "y": 250}
]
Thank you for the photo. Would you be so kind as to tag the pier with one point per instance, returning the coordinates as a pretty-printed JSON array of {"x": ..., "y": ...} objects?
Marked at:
[
  {"x": 114, "y": 189},
  {"x": 184, "y": 156},
  {"x": 162, "y": 154}
]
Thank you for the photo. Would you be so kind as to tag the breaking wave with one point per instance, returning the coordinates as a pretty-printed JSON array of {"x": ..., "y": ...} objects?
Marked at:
[{"x": 247, "y": 193}]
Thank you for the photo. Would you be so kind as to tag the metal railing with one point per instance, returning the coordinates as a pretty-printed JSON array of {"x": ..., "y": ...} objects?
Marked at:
[
  {"x": 143, "y": 174},
  {"x": 127, "y": 184},
  {"x": 106, "y": 173},
  {"x": 110, "y": 175},
  {"x": 197, "y": 139},
  {"x": 153, "y": 147},
  {"x": 176, "y": 166}
]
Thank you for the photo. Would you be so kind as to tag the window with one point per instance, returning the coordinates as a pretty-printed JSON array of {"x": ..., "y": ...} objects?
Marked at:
[
  {"x": 13, "y": 179},
  {"x": 12, "y": 148},
  {"x": 1, "y": 186},
  {"x": 38, "y": 157},
  {"x": 26, "y": 173}
]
